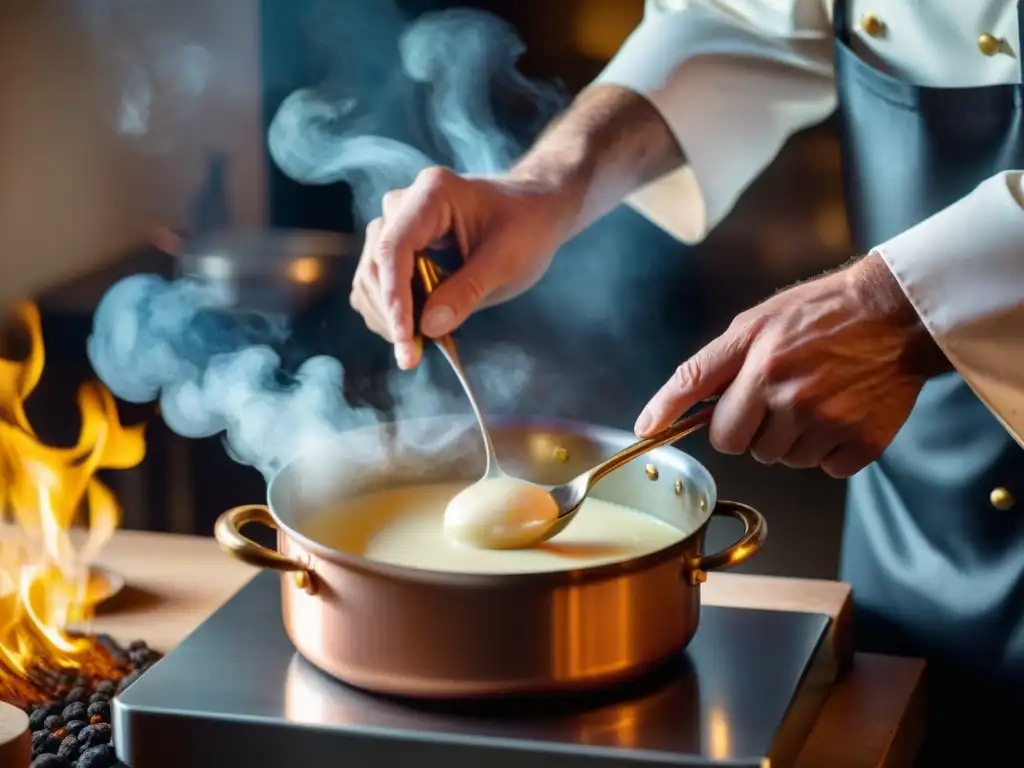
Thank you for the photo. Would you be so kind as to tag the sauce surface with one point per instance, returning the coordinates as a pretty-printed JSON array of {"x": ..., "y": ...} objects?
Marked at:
[{"x": 405, "y": 526}]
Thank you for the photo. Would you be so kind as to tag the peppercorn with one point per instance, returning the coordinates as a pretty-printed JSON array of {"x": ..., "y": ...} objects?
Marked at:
[
  {"x": 75, "y": 727},
  {"x": 69, "y": 749},
  {"x": 98, "y": 697},
  {"x": 60, "y": 733},
  {"x": 94, "y": 735},
  {"x": 76, "y": 694},
  {"x": 38, "y": 738},
  {"x": 49, "y": 743},
  {"x": 49, "y": 761},
  {"x": 107, "y": 688},
  {"x": 37, "y": 719},
  {"x": 128, "y": 680},
  {"x": 95, "y": 719},
  {"x": 100, "y": 708},
  {"x": 137, "y": 645},
  {"x": 140, "y": 657},
  {"x": 76, "y": 711},
  {"x": 102, "y": 756},
  {"x": 38, "y": 716},
  {"x": 53, "y": 722}
]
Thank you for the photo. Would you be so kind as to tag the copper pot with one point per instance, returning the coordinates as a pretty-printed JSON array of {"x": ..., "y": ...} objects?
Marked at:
[{"x": 421, "y": 633}]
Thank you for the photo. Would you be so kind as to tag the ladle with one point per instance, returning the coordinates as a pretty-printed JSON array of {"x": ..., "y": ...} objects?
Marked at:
[
  {"x": 431, "y": 276},
  {"x": 534, "y": 513}
]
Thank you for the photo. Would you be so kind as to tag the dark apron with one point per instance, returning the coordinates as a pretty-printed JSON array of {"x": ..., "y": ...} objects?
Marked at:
[{"x": 936, "y": 570}]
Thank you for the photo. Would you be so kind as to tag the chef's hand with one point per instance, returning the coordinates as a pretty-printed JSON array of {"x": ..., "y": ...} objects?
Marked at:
[
  {"x": 821, "y": 375},
  {"x": 508, "y": 229}
]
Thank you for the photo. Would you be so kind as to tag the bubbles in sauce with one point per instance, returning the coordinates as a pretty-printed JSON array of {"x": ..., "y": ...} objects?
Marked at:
[
  {"x": 500, "y": 513},
  {"x": 405, "y": 526}
]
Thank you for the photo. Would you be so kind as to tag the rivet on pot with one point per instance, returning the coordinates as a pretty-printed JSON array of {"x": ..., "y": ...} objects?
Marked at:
[
  {"x": 303, "y": 581},
  {"x": 679, "y": 487},
  {"x": 697, "y": 578},
  {"x": 703, "y": 504},
  {"x": 652, "y": 471},
  {"x": 561, "y": 453}
]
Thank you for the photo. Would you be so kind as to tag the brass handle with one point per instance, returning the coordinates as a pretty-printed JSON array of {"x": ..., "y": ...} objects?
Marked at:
[
  {"x": 228, "y": 532},
  {"x": 431, "y": 275},
  {"x": 754, "y": 534},
  {"x": 690, "y": 422}
]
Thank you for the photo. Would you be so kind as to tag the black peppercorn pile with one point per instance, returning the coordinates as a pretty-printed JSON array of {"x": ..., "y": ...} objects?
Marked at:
[{"x": 73, "y": 729}]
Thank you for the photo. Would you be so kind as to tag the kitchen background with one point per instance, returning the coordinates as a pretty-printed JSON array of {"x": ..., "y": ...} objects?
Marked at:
[{"x": 120, "y": 117}]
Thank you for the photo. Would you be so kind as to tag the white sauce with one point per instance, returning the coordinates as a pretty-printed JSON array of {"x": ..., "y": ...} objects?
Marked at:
[
  {"x": 500, "y": 513},
  {"x": 405, "y": 526}
]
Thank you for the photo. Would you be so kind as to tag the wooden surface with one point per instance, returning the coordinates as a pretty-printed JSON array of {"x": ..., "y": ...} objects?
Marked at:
[
  {"x": 871, "y": 717},
  {"x": 878, "y": 704},
  {"x": 15, "y": 745}
]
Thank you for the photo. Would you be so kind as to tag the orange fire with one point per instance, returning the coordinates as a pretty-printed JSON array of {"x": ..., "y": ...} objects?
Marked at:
[{"x": 44, "y": 492}]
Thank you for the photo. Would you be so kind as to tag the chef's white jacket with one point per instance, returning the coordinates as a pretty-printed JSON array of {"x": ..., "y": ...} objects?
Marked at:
[{"x": 734, "y": 79}]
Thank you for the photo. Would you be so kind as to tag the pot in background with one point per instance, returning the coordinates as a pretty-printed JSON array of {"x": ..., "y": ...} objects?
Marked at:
[{"x": 271, "y": 271}]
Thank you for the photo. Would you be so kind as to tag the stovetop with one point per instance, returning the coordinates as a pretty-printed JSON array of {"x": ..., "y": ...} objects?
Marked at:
[{"x": 235, "y": 692}]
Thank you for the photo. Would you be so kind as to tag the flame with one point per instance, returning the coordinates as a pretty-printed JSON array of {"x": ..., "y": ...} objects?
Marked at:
[{"x": 44, "y": 490}]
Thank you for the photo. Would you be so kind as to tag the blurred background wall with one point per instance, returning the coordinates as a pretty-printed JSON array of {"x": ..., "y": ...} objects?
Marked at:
[
  {"x": 78, "y": 186},
  {"x": 82, "y": 187},
  {"x": 65, "y": 205}
]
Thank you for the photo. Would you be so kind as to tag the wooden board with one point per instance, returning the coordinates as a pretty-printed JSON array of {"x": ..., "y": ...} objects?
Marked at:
[{"x": 15, "y": 746}]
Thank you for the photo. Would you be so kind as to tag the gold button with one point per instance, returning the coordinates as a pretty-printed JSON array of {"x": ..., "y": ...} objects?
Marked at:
[
  {"x": 1001, "y": 499},
  {"x": 871, "y": 24},
  {"x": 988, "y": 44}
]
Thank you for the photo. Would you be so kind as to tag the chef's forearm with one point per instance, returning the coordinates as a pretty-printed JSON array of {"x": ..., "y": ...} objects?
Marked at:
[{"x": 610, "y": 142}]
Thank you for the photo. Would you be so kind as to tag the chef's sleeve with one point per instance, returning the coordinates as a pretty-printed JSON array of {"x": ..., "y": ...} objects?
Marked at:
[
  {"x": 963, "y": 270},
  {"x": 733, "y": 79}
]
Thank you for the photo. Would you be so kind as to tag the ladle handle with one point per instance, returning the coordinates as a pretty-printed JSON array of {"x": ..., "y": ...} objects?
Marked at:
[
  {"x": 430, "y": 276},
  {"x": 697, "y": 417}
]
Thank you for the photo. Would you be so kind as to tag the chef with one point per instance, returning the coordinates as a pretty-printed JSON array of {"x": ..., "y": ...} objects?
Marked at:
[{"x": 903, "y": 369}]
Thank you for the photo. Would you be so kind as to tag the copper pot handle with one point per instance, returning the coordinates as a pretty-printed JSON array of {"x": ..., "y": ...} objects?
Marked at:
[
  {"x": 228, "y": 532},
  {"x": 754, "y": 533}
]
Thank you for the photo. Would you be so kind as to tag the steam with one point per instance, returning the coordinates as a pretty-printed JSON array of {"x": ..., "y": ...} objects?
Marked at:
[
  {"x": 217, "y": 372},
  {"x": 155, "y": 340},
  {"x": 461, "y": 57},
  {"x": 310, "y": 141}
]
